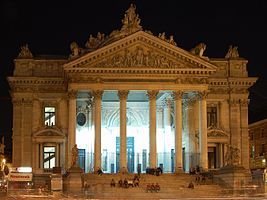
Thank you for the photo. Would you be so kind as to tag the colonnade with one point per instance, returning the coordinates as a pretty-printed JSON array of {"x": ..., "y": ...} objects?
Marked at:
[{"x": 152, "y": 95}]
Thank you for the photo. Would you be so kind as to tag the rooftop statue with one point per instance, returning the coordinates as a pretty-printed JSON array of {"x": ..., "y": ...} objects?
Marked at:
[
  {"x": 199, "y": 49},
  {"x": 75, "y": 50},
  {"x": 25, "y": 52},
  {"x": 131, "y": 21},
  {"x": 232, "y": 52}
]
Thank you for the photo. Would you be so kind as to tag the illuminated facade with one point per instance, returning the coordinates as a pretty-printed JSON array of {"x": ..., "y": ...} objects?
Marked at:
[
  {"x": 129, "y": 100},
  {"x": 258, "y": 144}
]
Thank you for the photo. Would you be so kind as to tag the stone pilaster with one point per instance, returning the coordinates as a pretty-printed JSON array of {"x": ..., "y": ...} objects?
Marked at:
[
  {"x": 72, "y": 124},
  {"x": 177, "y": 95},
  {"x": 244, "y": 133},
  {"x": 123, "y": 130},
  {"x": 234, "y": 121},
  {"x": 97, "y": 103},
  {"x": 203, "y": 138},
  {"x": 152, "y": 128}
]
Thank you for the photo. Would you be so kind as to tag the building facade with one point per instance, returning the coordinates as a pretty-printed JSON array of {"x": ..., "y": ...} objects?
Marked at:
[
  {"x": 258, "y": 144},
  {"x": 129, "y": 100}
]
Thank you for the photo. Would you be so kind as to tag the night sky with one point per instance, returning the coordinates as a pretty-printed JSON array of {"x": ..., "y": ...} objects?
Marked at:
[{"x": 50, "y": 26}]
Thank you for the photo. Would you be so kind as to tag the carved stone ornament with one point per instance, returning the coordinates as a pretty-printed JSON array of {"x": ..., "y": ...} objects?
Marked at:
[
  {"x": 25, "y": 52},
  {"x": 152, "y": 94},
  {"x": 203, "y": 95},
  {"x": 97, "y": 94},
  {"x": 199, "y": 49},
  {"x": 214, "y": 131},
  {"x": 131, "y": 21},
  {"x": 176, "y": 95},
  {"x": 72, "y": 94},
  {"x": 163, "y": 37},
  {"x": 139, "y": 57},
  {"x": 232, "y": 155},
  {"x": 123, "y": 94},
  {"x": 232, "y": 52},
  {"x": 75, "y": 50},
  {"x": 94, "y": 42}
]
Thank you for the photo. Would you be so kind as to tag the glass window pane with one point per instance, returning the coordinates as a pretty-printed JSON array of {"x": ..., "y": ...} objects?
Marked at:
[{"x": 49, "y": 149}]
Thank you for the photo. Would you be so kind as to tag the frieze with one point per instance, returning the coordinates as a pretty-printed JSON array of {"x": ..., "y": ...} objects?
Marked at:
[{"x": 139, "y": 58}]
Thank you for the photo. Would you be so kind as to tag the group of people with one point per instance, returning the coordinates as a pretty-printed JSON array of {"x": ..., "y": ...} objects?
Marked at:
[
  {"x": 126, "y": 182},
  {"x": 152, "y": 187},
  {"x": 154, "y": 171},
  {"x": 194, "y": 170}
]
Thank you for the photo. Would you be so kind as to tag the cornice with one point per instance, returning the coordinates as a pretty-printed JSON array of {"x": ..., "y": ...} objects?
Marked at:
[{"x": 146, "y": 39}]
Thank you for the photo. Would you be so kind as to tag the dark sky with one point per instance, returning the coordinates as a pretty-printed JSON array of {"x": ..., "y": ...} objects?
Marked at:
[{"x": 50, "y": 26}]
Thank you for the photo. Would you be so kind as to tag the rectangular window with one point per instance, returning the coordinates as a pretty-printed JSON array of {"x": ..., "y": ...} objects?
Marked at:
[
  {"x": 262, "y": 149},
  {"x": 211, "y": 116},
  {"x": 49, "y": 157},
  {"x": 50, "y": 116},
  {"x": 262, "y": 132}
]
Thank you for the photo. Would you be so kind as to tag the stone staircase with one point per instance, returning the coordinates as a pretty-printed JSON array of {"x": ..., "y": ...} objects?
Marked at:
[{"x": 172, "y": 187}]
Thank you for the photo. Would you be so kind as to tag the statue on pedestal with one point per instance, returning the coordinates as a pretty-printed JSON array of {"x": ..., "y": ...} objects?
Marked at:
[
  {"x": 232, "y": 155},
  {"x": 74, "y": 159}
]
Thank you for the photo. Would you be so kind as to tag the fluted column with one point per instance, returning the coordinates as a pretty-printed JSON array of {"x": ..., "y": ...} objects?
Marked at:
[
  {"x": 203, "y": 138},
  {"x": 97, "y": 103},
  {"x": 123, "y": 130},
  {"x": 72, "y": 124},
  {"x": 152, "y": 128},
  {"x": 177, "y": 96}
]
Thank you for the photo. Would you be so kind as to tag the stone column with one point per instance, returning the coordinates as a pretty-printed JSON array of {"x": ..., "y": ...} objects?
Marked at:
[
  {"x": 123, "y": 130},
  {"x": 177, "y": 95},
  {"x": 72, "y": 124},
  {"x": 203, "y": 138},
  {"x": 152, "y": 128},
  {"x": 97, "y": 103}
]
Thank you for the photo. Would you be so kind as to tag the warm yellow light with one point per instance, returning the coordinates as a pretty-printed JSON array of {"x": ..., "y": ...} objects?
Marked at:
[{"x": 4, "y": 161}]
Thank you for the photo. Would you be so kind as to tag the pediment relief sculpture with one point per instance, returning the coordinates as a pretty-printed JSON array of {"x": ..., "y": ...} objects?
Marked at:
[
  {"x": 49, "y": 131},
  {"x": 214, "y": 131},
  {"x": 140, "y": 57},
  {"x": 25, "y": 52}
]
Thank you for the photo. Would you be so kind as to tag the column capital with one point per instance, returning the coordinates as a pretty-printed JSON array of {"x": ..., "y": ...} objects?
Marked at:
[
  {"x": 178, "y": 94},
  {"x": 123, "y": 94},
  {"x": 152, "y": 94},
  {"x": 72, "y": 94},
  {"x": 97, "y": 94},
  {"x": 203, "y": 94},
  {"x": 244, "y": 102}
]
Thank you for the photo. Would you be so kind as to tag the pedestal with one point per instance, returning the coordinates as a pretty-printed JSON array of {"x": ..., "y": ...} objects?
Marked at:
[
  {"x": 73, "y": 180},
  {"x": 233, "y": 177}
]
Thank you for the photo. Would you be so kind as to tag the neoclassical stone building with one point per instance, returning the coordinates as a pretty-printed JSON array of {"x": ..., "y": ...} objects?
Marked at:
[{"x": 129, "y": 100}]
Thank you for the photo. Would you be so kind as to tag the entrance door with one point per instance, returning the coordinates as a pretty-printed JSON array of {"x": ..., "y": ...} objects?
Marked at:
[
  {"x": 81, "y": 158},
  {"x": 212, "y": 157},
  {"x": 130, "y": 154}
]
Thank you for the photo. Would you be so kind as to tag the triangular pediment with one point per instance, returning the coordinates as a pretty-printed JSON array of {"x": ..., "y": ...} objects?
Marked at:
[{"x": 141, "y": 50}]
